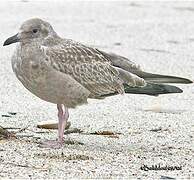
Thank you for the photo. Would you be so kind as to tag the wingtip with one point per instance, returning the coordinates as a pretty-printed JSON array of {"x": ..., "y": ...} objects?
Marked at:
[
  {"x": 174, "y": 89},
  {"x": 180, "y": 91},
  {"x": 190, "y": 81}
]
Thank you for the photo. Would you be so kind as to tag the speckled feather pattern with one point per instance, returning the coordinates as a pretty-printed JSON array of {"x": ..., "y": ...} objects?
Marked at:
[
  {"x": 87, "y": 66},
  {"x": 63, "y": 71}
]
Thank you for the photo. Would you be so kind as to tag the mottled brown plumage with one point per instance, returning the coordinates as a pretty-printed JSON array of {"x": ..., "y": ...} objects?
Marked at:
[
  {"x": 63, "y": 71},
  {"x": 66, "y": 72},
  {"x": 87, "y": 66}
]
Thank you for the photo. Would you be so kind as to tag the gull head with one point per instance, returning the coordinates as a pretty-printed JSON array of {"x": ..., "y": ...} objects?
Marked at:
[{"x": 32, "y": 30}]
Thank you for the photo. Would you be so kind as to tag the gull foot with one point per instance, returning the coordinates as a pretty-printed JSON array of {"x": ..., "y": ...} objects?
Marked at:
[{"x": 51, "y": 144}]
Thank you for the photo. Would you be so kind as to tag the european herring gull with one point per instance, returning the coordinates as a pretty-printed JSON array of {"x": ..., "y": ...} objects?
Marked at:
[{"x": 67, "y": 73}]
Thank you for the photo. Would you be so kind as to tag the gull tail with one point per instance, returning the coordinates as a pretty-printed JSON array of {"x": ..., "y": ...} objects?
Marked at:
[
  {"x": 152, "y": 89},
  {"x": 157, "y": 78}
]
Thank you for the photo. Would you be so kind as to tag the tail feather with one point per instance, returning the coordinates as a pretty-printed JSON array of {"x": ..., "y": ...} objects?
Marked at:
[
  {"x": 157, "y": 78},
  {"x": 152, "y": 89}
]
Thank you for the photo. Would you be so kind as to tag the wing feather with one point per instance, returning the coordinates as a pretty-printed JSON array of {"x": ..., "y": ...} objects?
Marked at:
[{"x": 86, "y": 65}]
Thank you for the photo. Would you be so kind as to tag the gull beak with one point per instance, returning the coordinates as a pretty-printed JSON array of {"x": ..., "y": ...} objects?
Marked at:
[{"x": 11, "y": 40}]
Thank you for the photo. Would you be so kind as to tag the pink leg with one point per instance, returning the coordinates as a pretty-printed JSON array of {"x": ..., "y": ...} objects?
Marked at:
[{"x": 63, "y": 116}]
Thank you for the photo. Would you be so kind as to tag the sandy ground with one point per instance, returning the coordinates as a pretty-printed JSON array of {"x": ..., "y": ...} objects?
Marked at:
[{"x": 160, "y": 37}]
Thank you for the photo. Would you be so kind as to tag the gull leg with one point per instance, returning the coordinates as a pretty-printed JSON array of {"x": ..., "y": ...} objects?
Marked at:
[{"x": 63, "y": 116}]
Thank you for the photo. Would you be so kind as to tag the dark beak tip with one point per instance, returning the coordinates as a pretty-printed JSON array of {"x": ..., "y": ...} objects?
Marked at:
[
  {"x": 11, "y": 40},
  {"x": 5, "y": 43}
]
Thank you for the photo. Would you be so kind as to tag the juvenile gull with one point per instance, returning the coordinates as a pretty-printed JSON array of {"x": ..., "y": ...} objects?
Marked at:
[{"x": 67, "y": 73}]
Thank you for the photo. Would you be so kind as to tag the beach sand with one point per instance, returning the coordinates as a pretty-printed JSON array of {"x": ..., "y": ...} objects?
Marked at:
[{"x": 152, "y": 130}]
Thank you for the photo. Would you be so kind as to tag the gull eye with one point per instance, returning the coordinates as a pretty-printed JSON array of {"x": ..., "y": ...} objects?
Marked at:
[{"x": 35, "y": 31}]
